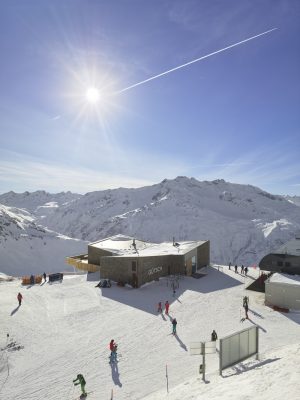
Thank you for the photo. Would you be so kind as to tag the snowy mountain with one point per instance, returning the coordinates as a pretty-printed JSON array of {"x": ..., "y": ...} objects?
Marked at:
[
  {"x": 293, "y": 199},
  {"x": 242, "y": 222},
  {"x": 39, "y": 202},
  {"x": 28, "y": 248}
]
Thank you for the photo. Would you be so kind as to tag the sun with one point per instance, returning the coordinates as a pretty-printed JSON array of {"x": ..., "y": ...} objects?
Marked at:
[{"x": 92, "y": 95}]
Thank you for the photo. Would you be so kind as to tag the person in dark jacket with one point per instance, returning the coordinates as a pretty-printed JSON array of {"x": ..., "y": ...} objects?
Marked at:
[
  {"x": 235, "y": 269},
  {"x": 20, "y": 298},
  {"x": 80, "y": 381},
  {"x": 45, "y": 276},
  {"x": 214, "y": 336},
  {"x": 174, "y": 323},
  {"x": 159, "y": 307},
  {"x": 246, "y": 270}
]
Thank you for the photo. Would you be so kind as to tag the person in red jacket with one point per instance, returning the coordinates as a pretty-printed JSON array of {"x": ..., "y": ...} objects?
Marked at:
[
  {"x": 113, "y": 350},
  {"x": 19, "y": 297},
  {"x": 167, "y": 305}
]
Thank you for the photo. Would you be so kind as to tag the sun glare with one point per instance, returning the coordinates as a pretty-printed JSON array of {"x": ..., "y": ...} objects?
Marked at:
[{"x": 92, "y": 95}]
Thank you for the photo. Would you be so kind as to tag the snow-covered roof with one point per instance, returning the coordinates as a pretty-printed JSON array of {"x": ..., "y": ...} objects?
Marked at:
[
  {"x": 292, "y": 247},
  {"x": 122, "y": 246},
  {"x": 284, "y": 278},
  {"x": 120, "y": 243}
]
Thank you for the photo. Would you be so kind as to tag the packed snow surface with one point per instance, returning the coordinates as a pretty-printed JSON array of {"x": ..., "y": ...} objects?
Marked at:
[{"x": 63, "y": 329}]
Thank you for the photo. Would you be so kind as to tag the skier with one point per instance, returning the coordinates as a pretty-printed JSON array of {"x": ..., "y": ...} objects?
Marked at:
[
  {"x": 45, "y": 276},
  {"x": 174, "y": 323},
  {"x": 167, "y": 305},
  {"x": 214, "y": 336},
  {"x": 20, "y": 298},
  {"x": 229, "y": 265},
  {"x": 113, "y": 350},
  {"x": 159, "y": 307},
  {"x": 81, "y": 382},
  {"x": 235, "y": 269},
  {"x": 246, "y": 270}
]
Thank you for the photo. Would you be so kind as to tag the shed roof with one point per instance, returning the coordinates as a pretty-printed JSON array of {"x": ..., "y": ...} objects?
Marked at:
[{"x": 285, "y": 278}]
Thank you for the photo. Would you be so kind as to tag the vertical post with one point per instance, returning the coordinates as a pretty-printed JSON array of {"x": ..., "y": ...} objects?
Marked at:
[
  {"x": 220, "y": 358},
  {"x": 203, "y": 360},
  {"x": 167, "y": 378},
  {"x": 257, "y": 343}
]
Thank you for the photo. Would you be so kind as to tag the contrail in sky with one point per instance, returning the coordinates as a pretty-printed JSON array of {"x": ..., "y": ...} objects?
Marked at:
[{"x": 194, "y": 61}]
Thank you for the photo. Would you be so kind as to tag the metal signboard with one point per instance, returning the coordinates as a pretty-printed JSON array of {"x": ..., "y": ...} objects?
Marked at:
[{"x": 237, "y": 347}]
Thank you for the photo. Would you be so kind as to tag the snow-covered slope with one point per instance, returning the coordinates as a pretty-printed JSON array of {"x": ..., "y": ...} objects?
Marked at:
[
  {"x": 242, "y": 222},
  {"x": 64, "y": 329},
  {"x": 27, "y": 248},
  {"x": 293, "y": 199}
]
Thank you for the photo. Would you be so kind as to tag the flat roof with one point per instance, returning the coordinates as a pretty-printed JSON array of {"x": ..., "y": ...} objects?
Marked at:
[
  {"x": 291, "y": 248},
  {"x": 285, "y": 278},
  {"x": 122, "y": 246}
]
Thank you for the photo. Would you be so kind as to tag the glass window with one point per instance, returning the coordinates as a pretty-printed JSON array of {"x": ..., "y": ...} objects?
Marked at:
[{"x": 279, "y": 263}]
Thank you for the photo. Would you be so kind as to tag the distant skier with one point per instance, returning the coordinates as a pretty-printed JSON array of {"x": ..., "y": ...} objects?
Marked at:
[
  {"x": 45, "y": 276},
  {"x": 167, "y": 305},
  {"x": 214, "y": 336},
  {"x": 174, "y": 323},
  {"x": 246, "y": 270},
  {"x": 235, "y": 269},
  {"x": 229, "y": 265},
  {"x": 20, "y": 298},
  {"x": 159, "y": 307},
  {"x": 113, "y": 350},
  {"x": 80, "y": 381}
]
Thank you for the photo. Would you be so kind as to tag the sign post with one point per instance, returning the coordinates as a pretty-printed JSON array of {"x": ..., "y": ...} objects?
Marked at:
[{"x": 203, "y": 360}]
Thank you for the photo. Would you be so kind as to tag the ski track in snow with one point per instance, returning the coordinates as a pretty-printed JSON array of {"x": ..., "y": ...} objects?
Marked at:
[{"x": 65, "y": 328}]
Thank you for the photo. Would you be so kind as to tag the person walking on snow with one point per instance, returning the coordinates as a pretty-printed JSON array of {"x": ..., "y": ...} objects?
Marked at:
[
  {"x": 235, "y": 269},
  {"x": 113, "y": 350},
  {"x": 214, "y": 336},
  {"x": 80, "y": 381},
  {"x": 174, "y": 323},
  {"x": 242, "y": 269},
  {"x": 159, "y": 307},
  {"x": 245, "y": 301},
  {"x": 20, "y": 298},
  {"x": 45, "y": 276},
  {"x": 229, "y": 265},
  {"x": 246, "y": 271},
  {"x": 167, "y": 305},
  {"x": 246, "y": 310}
]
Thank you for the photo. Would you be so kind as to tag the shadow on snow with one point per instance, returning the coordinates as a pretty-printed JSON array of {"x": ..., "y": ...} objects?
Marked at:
[{"x": 147, "y": 297}]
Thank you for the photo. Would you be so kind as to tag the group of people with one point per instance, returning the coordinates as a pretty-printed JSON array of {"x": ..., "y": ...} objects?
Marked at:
[
  {"x": 244, "y": 270},
  {"x": 160, "y": 310}
]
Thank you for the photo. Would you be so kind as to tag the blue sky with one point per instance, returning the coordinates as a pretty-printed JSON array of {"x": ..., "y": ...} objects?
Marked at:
[{"x": 234, "y": 115}]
